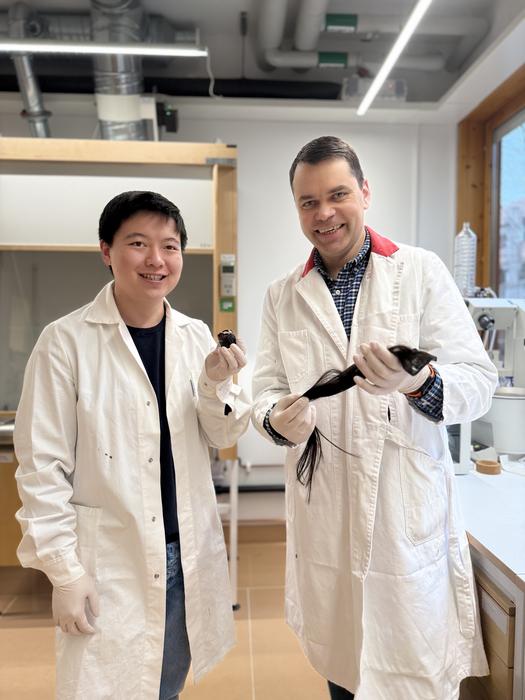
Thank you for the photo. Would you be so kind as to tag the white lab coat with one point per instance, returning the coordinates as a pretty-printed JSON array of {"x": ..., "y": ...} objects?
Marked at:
[
  {"x": 379, "y": 586},
  {"x": 87, "y": 438}
]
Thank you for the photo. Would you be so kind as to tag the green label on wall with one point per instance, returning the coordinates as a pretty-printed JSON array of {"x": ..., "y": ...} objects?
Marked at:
[{"x": 227, "y": 304}]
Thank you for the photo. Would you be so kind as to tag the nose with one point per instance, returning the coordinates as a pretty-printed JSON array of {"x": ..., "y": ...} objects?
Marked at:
[
  {"x": 324, "y": 211},
  {"x": 154, "y": 257}
]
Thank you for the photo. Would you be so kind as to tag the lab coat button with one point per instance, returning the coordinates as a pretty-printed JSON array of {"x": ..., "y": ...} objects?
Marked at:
[
  {"x": 156, "y": 576},
  {"x": 148, "y": 403},
  {"x": 153, "y": 519},
  {"x": 150, "y": 460}
]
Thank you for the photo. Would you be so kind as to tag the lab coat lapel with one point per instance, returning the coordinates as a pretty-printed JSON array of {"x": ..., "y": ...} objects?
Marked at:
[
  {"x": 173, "y": 355},
  {"x": 314, "y": 291},
  {"x": 377, "y": 303}
]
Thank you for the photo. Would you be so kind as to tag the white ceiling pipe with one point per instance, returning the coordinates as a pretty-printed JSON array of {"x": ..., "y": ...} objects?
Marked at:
[
  {"x": 309, "y": 24},
  {"x": 430, "y": 26},
  {"x": 292, "y": 59},
  {"x": 310, "y": 59},
  {"x": 272, "y": 19}
]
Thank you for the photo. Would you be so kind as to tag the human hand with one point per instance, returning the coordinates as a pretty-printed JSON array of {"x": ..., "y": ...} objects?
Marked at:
[
  {"x": 223, "y": 362},
  {"x": 293, "y": 417},
  {"x": 384, "y": 371},
  {"x": 69, "y": 605}
]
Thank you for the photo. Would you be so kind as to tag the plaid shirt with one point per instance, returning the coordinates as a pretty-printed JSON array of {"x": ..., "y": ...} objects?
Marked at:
[{"x": 344, "y": 290}]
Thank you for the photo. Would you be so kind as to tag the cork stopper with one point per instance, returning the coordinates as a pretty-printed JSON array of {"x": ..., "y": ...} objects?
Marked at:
[{"x": 488, "y": 466}]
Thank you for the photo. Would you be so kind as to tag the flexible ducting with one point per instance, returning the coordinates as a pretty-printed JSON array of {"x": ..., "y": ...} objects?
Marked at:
[
  {"x": 118, "y": 79},
  {"x": 19, "y": 17}
]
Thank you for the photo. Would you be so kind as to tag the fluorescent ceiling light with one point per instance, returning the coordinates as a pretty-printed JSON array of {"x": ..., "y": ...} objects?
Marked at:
[
  {"x": 21, "y": 46},
  {"x": 401, "y": 41}
]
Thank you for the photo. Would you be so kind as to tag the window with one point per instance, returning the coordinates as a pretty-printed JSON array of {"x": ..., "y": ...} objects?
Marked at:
[{"x": 508, "y": 210}]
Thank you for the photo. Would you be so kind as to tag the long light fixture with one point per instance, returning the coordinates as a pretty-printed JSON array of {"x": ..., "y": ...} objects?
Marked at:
[
  {"x": 401, "y": 41},
  {"x": 51, "y": 46}
]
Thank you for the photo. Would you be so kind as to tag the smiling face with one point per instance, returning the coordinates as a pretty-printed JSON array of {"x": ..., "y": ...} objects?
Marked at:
[
  {"x": 331, "y": 208},
  {"x": 146, "y": 260}
]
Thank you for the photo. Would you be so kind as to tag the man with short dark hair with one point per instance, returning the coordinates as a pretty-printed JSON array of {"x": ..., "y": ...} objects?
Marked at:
[
  {"x": 121, "y": 401},
  {"x": 379, "y": 580}
]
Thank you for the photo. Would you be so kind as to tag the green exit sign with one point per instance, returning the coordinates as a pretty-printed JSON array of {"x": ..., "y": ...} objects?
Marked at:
[{"x": 227, "y": 304}]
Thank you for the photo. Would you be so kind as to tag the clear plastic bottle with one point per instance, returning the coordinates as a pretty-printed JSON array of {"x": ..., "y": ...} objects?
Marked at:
[{"x": 465, "y": 247}]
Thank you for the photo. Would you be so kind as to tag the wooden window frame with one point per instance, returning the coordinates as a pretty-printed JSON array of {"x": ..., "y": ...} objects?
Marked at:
[{"x": 475, "y": 153}]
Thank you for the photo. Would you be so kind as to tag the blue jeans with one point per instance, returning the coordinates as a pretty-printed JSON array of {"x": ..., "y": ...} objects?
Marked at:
[
  {"x": 338, "y": 693},
  {"x": 177, "y": 658}
]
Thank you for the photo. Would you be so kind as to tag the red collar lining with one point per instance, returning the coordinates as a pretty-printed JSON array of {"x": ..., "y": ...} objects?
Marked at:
[{"x": 380, "y": 245}]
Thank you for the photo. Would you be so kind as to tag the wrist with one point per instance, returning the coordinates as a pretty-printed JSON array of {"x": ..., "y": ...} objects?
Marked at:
[{"x": 417, "y": 391}]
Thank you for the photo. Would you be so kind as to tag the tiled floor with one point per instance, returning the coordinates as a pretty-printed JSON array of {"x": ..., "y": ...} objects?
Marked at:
[{"x": 266, "y": 663}]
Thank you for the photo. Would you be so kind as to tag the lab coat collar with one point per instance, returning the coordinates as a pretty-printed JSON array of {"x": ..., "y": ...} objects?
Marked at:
[
  {"x": 103, "y": 309},
  {"x": 380, "y": 245}
]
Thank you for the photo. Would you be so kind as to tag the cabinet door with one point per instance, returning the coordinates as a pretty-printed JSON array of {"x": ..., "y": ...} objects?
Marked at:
[
  {"x": 497, "y": 613},
  {"x": 9, "y": 504}
]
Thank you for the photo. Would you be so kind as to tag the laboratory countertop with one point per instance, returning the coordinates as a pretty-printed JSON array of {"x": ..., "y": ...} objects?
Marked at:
[{"x": 494, "y": 513}]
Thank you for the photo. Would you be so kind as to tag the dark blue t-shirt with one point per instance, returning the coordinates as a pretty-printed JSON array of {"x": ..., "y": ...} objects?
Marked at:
[{"x": 150, "y": 343}]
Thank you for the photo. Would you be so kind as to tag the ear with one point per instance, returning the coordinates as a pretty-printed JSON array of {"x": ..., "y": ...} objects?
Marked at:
[
  {"x": 105, "y": 251},
  {"x": 365, "y": 189}
]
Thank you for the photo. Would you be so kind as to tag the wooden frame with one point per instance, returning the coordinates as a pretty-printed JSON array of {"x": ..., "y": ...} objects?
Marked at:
[
  {"x": 221, "y": 158},
  {"x": 475, "y": 136}
]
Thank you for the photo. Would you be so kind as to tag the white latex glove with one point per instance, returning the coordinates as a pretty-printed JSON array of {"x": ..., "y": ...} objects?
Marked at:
[
  {"x": 222, "y": 363},
  {"x": 293, "y": 418},
  {"x": 69, "y": 605},
  {"x": 385, "y": 372}
]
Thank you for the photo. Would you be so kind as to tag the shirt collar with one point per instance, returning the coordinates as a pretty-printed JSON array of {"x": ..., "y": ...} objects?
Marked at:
[{"x": 359, "y": 259}]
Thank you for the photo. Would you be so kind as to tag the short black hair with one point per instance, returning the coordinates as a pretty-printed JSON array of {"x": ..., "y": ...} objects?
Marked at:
[
  {"x": 328, "y": 148},
  {"x": 127, "y": 204}
]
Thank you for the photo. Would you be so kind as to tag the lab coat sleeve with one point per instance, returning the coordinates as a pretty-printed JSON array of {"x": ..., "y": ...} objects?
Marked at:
[
  {"x": 221, "y": 428},
  {"x": 45, "y": 438},
  {"x": 448, "y": 331},
  {"x": 269, "y": 378}
]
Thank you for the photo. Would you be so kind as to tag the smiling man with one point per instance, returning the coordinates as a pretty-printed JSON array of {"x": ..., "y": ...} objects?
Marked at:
[
  {"x": 121, "y": 401},
  {"x": 379, "y": 581}
]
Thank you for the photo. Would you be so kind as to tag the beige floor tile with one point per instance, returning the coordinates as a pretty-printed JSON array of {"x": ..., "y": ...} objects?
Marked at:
[
  {"x": 37, "y": 685},
  {"x": 267, "y": 603},
  {"x": 27, "y": 663},
  {"x": 231, "y": 679},
  {"x": 281, "y": 671},
  {"x": 261, "y": 565}
]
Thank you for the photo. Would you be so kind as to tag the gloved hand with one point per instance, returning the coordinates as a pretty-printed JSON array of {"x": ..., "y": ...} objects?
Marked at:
[
  {"x": 293, "y": 417},
  {"x": 69, "y": 605},
  {"x": 384, "y": 370},
  {"x": 222, "y": 363}
]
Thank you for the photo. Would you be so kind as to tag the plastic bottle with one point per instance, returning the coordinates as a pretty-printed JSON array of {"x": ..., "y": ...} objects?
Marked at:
[{"x": 465, "y": 246}]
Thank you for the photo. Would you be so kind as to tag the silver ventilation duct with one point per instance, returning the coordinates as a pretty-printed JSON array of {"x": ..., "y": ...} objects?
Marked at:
[
  {"x": 118, "y": 79},
  {"x": 18, "y": 24}
]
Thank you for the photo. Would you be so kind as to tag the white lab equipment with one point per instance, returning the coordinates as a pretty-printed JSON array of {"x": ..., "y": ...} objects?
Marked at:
[{"x": 503, "y": 426}]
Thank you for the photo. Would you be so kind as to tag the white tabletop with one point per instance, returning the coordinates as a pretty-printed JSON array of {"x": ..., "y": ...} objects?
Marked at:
[{"x": 494, "y": 512}]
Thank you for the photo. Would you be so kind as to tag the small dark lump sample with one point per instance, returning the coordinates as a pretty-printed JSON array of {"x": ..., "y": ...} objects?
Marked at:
[{"x": 226, "y": 338}]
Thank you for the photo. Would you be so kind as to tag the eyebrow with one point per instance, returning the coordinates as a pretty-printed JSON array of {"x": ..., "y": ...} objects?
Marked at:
[{"x": 331, "y": 191}]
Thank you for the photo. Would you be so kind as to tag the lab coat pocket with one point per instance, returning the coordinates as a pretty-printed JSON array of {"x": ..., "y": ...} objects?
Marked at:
[
  {"x": 408, "y": 330},
  {"x": 294, "y": 347},
  {"x": 87, "y": 530},
  {"x": 461, "y": 568},
  {"x": 423, "y": 487}
]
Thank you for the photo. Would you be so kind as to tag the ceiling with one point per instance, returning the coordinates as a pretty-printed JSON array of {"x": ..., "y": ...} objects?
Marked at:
[{"x": 238, "y": 67}]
